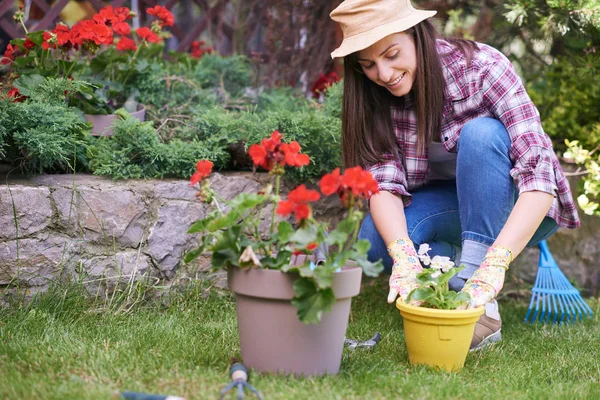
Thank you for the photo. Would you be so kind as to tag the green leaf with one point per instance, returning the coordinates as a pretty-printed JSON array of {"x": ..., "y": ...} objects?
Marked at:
[
  {"x": 193, "y": 254},
  {"x": 369, "y": 268},
  {"x": 311, "y": 302},
  {"x": 445, "y": 277},
  {"x": 421, "y": 294},
  {"x": 224, "y": 221},
  {"x": 200, "y": 225},
  {"x": 245, "y": 201},
  {"x": 226, "y": 250},
  {"x": 336, "y": 238},
  {"x": 36, "y": 37},
  {"x": 284, "y": 231},
  {"x": 281, "y": 261},
  {"x": 28, "y": 83},
  {"x": 302, "y": 237},
  {"x": 141, "y": 65},
  {"x": 22, "y": 62},
  {"x": 462, "y": 297},
  {"x": 322, "y": 275},
  {"x": 361, "y": 246}
]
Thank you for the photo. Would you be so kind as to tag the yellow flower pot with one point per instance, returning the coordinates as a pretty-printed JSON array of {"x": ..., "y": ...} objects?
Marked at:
[{"x": 439, "y": 338}]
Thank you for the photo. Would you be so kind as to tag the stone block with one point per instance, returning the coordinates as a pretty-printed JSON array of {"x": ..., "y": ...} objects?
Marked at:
[
  {"x": 101, "y": 215},
  {"x": 168, "y": 237},
  {"x": 39, "y": 261},
  {"x": 32, "y": 207}
]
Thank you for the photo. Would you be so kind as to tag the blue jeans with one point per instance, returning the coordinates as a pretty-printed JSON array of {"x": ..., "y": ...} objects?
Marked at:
[{"x": 464, "y": 215}]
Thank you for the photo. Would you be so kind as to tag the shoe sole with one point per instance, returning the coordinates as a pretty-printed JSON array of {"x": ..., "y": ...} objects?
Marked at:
[{"x": 488, "y": 341}]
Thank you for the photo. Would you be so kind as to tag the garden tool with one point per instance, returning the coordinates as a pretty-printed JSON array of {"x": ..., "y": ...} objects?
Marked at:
[
  {"x": 553, "y": 295},
  {"x": 353, "y": 344},
  {"x": 239, "y": 377}
]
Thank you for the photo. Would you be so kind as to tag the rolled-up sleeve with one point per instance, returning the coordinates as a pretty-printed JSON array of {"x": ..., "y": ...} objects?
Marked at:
[
  {"x": 391, "y": 177},
  {"x": 531, "y": 149}
]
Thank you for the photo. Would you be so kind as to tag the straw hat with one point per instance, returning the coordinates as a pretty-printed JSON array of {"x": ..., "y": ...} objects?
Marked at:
[{"x": 365, "y": 22}]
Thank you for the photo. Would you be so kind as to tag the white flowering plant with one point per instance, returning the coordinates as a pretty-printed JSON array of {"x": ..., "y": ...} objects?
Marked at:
[{"x": 433, "y": 290}]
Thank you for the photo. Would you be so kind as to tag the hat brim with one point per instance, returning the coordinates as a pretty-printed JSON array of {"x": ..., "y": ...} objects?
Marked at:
[{"x": 363, "y": 40}]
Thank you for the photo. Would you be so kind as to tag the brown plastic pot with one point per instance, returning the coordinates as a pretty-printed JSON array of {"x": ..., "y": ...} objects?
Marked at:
[
  {"x": 103, "y": 123},
  {"x": 273, "y": 339}
]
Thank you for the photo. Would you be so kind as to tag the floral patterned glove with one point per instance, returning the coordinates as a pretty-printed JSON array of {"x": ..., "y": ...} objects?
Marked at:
[
  {"x": 405, "y": 269},
  {"x": 487, "y": 281}
]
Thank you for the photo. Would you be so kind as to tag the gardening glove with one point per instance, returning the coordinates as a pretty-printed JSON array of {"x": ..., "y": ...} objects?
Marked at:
[
  {"x": 404, "y": 271},
  {"x": 487, "y": 281}
]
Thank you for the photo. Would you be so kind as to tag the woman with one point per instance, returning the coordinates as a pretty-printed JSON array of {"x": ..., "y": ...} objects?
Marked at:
[{"x": 447, "y": 129}]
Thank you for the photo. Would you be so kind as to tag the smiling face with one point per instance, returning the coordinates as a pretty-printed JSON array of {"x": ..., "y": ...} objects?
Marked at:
[{"x": 391, "y": 63}]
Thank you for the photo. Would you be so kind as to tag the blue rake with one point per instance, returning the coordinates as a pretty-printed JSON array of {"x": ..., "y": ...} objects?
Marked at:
[{"x": 553, "y": 297}]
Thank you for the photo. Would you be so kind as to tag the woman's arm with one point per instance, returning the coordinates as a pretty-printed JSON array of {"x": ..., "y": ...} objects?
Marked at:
[
  {"x": 523, "y": 221},
  {"x": 387, "y": 211}
]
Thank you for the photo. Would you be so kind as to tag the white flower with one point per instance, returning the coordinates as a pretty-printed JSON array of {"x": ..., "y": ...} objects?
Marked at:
[
  {"x": 436, "y": 274},
  {"x": 442, "y": 263},
  {"x": 423, "y": 249},
  {"x": 425, "y": 259}
]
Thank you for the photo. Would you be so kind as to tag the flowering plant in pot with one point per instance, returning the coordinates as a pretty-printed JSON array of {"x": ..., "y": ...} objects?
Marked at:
[
  {"x": 309, "y": 299},
  {"x": 438, "y": 328},
  {"x": 103, "y": 51}
]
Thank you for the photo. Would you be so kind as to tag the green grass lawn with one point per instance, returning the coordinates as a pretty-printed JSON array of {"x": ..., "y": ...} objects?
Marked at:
[{"x": 62, "y": 347}]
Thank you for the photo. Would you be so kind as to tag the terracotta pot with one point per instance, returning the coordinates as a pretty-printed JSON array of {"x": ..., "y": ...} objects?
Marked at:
[
  {"x": 103, "y": 123},
  {"x": 438, "y": 338},
  {"x": 272, "y": 338}
]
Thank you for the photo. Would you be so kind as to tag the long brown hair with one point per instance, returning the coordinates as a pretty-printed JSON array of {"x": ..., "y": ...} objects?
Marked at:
[{"x": 367, "y": 131}]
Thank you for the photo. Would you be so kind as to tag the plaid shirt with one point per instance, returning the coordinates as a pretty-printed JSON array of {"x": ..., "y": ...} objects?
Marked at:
[{"x": 488, "y": 87}]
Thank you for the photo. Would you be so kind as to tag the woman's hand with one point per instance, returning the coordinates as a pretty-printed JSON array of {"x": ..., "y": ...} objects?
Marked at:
[
  {"x": 404, "y": 271},
  {"x": 487, "y": 281}
]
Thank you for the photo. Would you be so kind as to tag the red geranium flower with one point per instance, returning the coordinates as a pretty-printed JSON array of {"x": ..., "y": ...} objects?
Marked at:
[
  {"x": 63, "y": 35},
  {"x": 165, "y": 16},
  {"x": 203, "y": 170},
  {"x": 271, "y": 153},
  {"x": 126, "y": 43},
  {"x": 292, "y": 156},
  {"x": 28, "y": 44},
  {"x": 93, "y": 31},
  {"x": 121, "y": 28},
  {"x": 297, "y": 203},
  {"x": 323, "y": 82},
  {"x": 311, "y": 246},
  {"x": 147, "y": 35},
  {"x": 359, "y": 181},
  {"x": 198, "y": 49},
  {"x": 49, "y": 40},
  {"x": 354, "y": 183},
  {"x": 330, "y": 183},
  {"x": 16, "y": 96},
  {"x": 8, "y": 54}
]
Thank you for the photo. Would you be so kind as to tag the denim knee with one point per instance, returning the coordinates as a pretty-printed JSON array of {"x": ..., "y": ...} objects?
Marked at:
[{"x": 484, "y": 133}]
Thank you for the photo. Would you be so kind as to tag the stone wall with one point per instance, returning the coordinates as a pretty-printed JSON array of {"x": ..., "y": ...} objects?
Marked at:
[{"x": 97, "y": 230}]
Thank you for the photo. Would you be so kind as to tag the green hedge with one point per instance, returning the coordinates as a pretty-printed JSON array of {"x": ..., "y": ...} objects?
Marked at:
[{"x": 196, "y": 109}]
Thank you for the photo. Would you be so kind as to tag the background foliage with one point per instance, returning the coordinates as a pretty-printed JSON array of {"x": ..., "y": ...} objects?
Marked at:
[{"x": 216, "y": 107}]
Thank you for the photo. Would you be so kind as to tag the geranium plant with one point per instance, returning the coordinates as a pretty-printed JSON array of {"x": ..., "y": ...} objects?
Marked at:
[
  {"x": 433, "y": 290},
  {"x": 103, "y": 51},
  {"x": 232, "y": 230}
]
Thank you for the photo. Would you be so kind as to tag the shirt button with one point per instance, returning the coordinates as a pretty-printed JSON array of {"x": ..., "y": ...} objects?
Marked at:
[{"x": 445, "y": 138}]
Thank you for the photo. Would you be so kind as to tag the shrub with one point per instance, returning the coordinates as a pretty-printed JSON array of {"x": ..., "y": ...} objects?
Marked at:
[
  {"x": 318, "y": 133},
  {"x": 42, "y": 134},
  {"x": 136, "y": 151},
  {"x": 567, "y": 96},
  {"x": 231, "y": 74}
]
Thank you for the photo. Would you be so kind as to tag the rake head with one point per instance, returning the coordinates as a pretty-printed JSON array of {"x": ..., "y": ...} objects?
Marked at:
[{"x": 553, "y": 297}]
